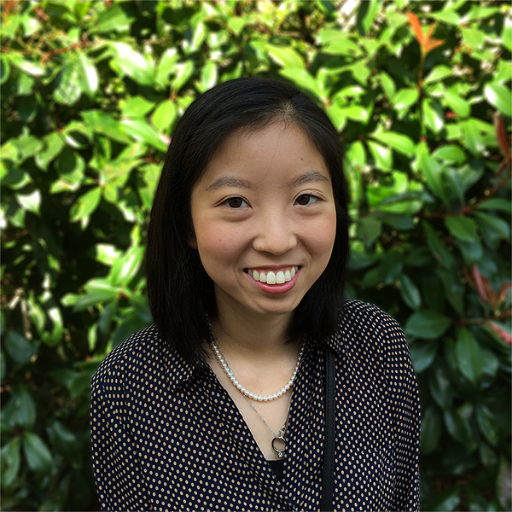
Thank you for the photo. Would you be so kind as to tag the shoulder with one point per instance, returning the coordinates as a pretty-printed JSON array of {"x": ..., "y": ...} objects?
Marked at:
[
  {"x": 135, "y": 353},
  {"x": 366, "y": 317},
  {"x": 364, "y": 327}
]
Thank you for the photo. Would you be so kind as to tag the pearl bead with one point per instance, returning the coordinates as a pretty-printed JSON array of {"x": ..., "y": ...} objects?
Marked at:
[{"x": 227, "y": 370}]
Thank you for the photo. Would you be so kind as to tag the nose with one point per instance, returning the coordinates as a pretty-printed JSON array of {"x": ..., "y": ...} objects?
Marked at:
[{"x": 276, "y": 234}]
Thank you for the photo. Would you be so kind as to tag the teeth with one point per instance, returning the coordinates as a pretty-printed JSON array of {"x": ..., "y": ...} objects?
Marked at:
[{"x": 272, "y": 277}]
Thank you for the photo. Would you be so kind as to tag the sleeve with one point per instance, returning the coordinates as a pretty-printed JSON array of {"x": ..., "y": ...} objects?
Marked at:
[
  {"x": 407, "y": 422},
  {"x": 118, "y": 476}
]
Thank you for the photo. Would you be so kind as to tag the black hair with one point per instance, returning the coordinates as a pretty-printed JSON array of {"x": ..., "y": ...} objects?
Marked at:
[{"x": 179, "y": 290}]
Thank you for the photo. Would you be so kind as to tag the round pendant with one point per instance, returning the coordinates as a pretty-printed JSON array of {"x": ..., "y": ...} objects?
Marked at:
[{"x": 279, "y": 445}]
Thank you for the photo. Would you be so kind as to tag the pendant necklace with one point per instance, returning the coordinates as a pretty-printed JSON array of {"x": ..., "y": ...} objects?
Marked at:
[{"x": 279, "y": 441}]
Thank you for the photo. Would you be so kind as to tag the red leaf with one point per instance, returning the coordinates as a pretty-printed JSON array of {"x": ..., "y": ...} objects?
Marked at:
[
  {"x": 501, "y": 136},
  {"x": 504, "y": 335},
  {"x": 503, "y": 291},
  {"x": 479, "y": 283},
  {"x": 416, "y": 27}
]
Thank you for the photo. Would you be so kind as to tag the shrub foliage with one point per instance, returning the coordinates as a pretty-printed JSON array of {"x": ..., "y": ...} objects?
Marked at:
[{"x": 420, "y": 94}]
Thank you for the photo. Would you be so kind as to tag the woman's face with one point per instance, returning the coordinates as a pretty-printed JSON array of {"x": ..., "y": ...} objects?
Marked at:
[{"x": 264, "y": 220}]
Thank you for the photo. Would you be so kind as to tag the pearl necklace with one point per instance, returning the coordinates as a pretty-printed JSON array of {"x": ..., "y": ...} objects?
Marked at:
[{"x": 234, "y": 381}]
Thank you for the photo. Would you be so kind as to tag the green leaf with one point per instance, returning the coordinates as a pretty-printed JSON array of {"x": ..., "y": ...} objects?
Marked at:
[
  {"x": 136, "y": 107},
  {"x": 423, "y": 354},
  {"x": 453, "y": 288},
  {"x": 164, "y": 115},
  {"x": 98, "y": 291},
  {"x": 472, "y": 137},
  {"x": 496, "y": 203},
  {"x": 20, "y": 409},
  {"x": 64, "y": 441},
  {"x": 285, "y": 56},
  {"x": 438, "y": 73},
  {"x": 87, "y": 75},
  {"x": 469, "y": 356},
  {"x": 387, "y": 84},
  {"x": 38, "y": 456},
  {"x": 405, "y": 98},
  {"x": 382, "y": 155},
  {"x": 456, "y": 184},
  {"x": 125, "y": 268},
  {"x": 427, "y": 324},
  {"x": 437, "y": 247},
  {"x": 450, "y": 154},
  {"x": 30, "y": 202},
  {"x": 144, "y": 132},
  {"x": 430, "y": 429},
  {"x": 337, "y": 116},
  {"x": 86, "y": 204},
  {"x": 10, "y": 461},
  {"x": 473, "y": 37},
  {"x": 501, "y": 227},
  {"x": 396, "y": 141},
  {"x": 18, "y": 347},
  {"x": 26, "y": 66},
  {"x": 463, "y": 228},
  {"x": 506, "y": 34},
  {"x": 500, "y": 97},
  {"x": 303, "y": 80},
  {"x": 133, "y": 63},
  {"x": 409, "y": 292},
  {"x": 5, "y": 69},
  {"x": 433, "y": 115},
  {"x": 115, "y": 18},
  {"x": 440, "y": 387},
  {"x": 184, "y": 70},
  {"x": 54, "y": 144},
  {"x": 432, "y": 171},
  {"x": 166, "y": 66},
  {"x": 487, "y": 424},
  {"x": 460, "y": 106},
  {"x": 446, "y": 500},
  {"x": 67, "y": 91},
  {"x": 369, "y": 229},
  {"x": 105, "y": 124}
]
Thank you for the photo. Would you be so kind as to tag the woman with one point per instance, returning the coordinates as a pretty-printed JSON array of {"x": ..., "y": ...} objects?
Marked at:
[{"x": 220, "y": 405}]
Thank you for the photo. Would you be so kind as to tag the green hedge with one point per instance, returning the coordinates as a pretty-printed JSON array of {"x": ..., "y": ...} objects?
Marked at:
[{"x": 420, "y": 94}]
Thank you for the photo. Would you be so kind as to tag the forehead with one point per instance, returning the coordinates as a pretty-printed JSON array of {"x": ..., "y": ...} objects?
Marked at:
[{"x": 277, "y": 148}]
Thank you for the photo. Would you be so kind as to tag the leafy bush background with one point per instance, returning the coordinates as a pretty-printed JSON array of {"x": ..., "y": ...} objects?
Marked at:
[{"x": 90, "y": 93}]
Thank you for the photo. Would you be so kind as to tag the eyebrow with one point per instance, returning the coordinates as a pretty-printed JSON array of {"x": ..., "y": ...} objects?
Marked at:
[
  {"x": 308, "y": 177},
  {"x": 232, "y": 181}
]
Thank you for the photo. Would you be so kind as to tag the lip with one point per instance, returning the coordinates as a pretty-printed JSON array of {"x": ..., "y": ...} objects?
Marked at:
[{"x": 274, "y": 288}]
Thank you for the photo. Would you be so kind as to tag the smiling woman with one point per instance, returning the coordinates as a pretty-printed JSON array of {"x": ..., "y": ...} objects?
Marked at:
[{"x": 222, "y": 403}]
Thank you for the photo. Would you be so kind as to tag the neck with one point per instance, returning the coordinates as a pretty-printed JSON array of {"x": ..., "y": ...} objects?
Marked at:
[{"x": 251, "y": 335}]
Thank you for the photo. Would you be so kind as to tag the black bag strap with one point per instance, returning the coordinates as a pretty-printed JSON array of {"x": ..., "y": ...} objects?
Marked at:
[{"x": 330, "y": 432}]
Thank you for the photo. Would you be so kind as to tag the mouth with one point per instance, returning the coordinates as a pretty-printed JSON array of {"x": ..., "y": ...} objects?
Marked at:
[{"x": 281, "y": 276}]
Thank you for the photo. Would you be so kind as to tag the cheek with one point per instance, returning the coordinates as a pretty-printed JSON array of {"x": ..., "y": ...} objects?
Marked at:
[{"x": 323, "y": 235}]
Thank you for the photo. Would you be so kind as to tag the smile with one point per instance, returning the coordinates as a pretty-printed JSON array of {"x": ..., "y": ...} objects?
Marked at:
[{"x": 270, "y": 277}]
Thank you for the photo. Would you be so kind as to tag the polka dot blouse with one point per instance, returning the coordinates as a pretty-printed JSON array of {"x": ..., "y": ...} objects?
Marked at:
[{"x": 167, "y": 436}]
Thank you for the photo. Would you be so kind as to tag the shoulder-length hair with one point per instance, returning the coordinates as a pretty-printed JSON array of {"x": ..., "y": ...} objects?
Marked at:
[{"x": 180, "y": 292}]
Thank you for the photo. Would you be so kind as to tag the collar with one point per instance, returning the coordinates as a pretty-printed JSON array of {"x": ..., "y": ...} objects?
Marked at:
[{"x": 178, "y": 371}]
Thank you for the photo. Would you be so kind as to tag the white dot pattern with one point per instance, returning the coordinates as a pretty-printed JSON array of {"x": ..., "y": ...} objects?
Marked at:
[{"x": 167, "y": 436}]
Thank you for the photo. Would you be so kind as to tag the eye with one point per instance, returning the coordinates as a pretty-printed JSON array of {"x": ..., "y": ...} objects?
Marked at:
[
  {"x": 235, "y": 202},
  {"x": 306, "y": 199}
]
